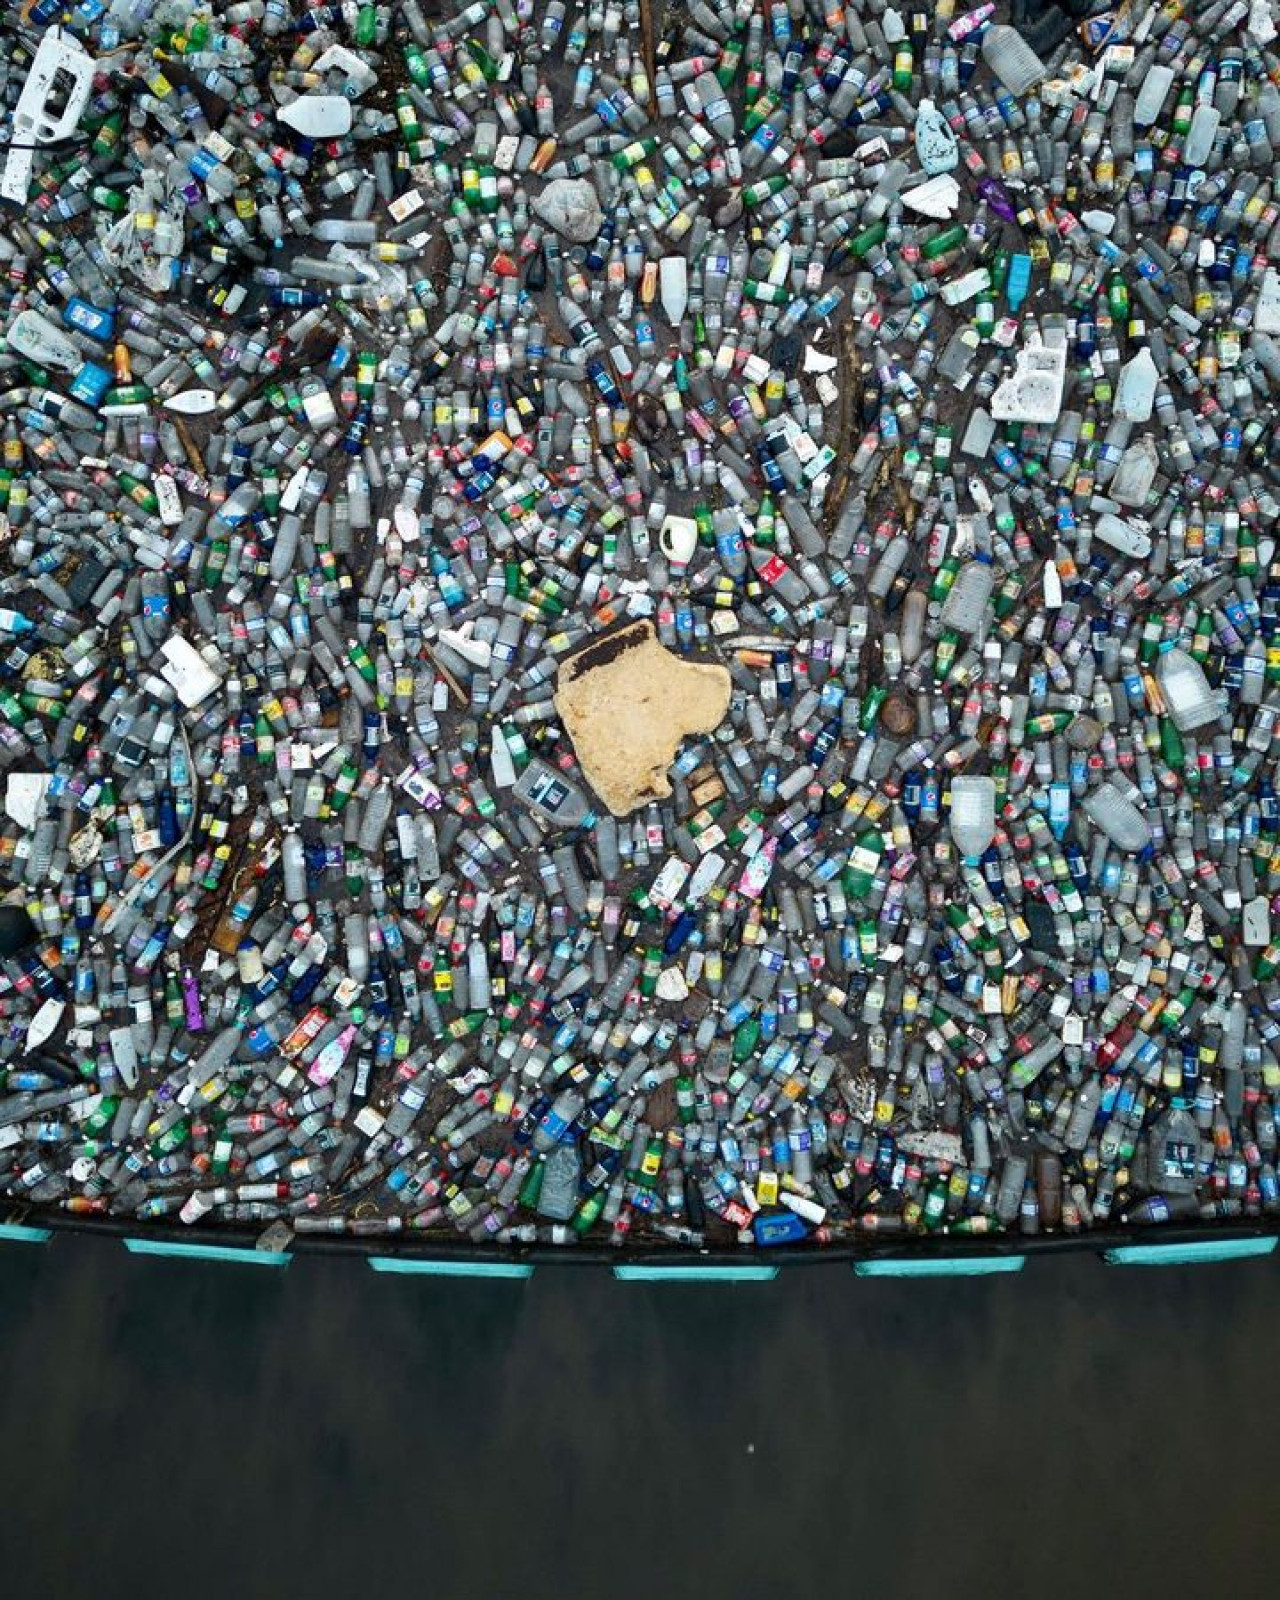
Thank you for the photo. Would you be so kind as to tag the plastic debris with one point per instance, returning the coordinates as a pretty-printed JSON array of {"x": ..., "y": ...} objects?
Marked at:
[
  {"x": 52, "y": 101},
  {"x": 1034, "y": 392},
  {"x": 640, "y": 623},
  {"x": 627, "y": 703},
  {"x": 318, "y": 116}
]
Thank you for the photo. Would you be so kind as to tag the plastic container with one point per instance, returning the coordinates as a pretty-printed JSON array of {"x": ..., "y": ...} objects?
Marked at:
[
  {"x": 1136, "y": 388},
  {"x": 965, "y": 608},
  {"x": 973, "y": 815},
  {"x": 1118, "y": 818},
  {"x": 1012, "y": 59},
  {"x": 1152, "y": 94},
  {"x": 1188, "y": 696}
]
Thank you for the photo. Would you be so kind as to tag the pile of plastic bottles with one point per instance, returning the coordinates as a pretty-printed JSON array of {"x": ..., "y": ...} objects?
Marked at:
[{"x": 363, "y": 362}]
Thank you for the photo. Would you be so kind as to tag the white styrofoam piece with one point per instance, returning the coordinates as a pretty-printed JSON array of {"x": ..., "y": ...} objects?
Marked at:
[{"x": 938, "y": 197}]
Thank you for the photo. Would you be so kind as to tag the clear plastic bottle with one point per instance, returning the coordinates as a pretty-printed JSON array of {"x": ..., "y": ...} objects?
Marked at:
[
  {"x": 965, "y": 608},
  {"x": 973, "y": 815},
  {"x": 1118, "y": 818}
]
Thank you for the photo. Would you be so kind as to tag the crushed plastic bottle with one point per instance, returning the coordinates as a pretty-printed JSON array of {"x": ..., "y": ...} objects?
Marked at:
[{"x": 905, "y": 381}]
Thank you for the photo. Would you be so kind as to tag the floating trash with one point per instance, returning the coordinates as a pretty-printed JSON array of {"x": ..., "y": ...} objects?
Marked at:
[{"x": 640, "y": 623}]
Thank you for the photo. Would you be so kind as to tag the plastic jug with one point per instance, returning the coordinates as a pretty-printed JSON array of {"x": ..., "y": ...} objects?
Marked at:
[
  {"x": 1188, "y": 695},
  {"x": 1012, "y": 59},
  {"x": 935, "y": 142},
  {"x": 1136, "y": 388},
  {"x": 1152, "y": 95}
]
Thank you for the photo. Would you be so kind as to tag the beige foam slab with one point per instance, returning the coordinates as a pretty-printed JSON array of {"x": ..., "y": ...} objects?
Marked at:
[{"x": 626, "y": 702}]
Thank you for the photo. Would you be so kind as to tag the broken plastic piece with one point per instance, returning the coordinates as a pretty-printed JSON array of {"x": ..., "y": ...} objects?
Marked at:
[
  {"x": 938, "y": 198},
  {"x": 678, "y": 537},
  {"x": 24, "y": 794},
  {"x": 1122, "y": 536},
  {"x": 41, "y": 341},
  {"x": 318, "y": 116}
]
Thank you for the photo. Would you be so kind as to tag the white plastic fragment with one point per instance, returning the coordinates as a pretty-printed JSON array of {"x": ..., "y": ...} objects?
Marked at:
[
  {"x": 971, "y": 283},
  {"x": 1261, "y": 22},
  {"x": 168, "y": 500},
  {"x": 459, "y": 640},
  {"x": 124, "y": 1052},
  {"x": 318, "y": 116},
  {"x": 1122, "y": 535},
  {"x": 678, "y": 537},
  {"x": 357, "y": 73},
  {"x": 42, "y": 341},
  {"x": 23, "y": 796},
  {"x": 671, "y": 984},
  {"x": 572, "y": 207},
  {"x": 816, "y": 361},
  {"x": 85, "y": 847}
]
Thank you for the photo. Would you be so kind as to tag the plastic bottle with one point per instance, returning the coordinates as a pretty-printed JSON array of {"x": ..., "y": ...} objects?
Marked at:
[
  {"x": 973, "y": 815},
  {"x": 965, "y": 608},
  {"x": 1118, "y": 818}
]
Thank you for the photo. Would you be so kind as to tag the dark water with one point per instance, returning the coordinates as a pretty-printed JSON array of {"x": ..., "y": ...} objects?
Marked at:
[{"x": 199, "y": 1430}]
